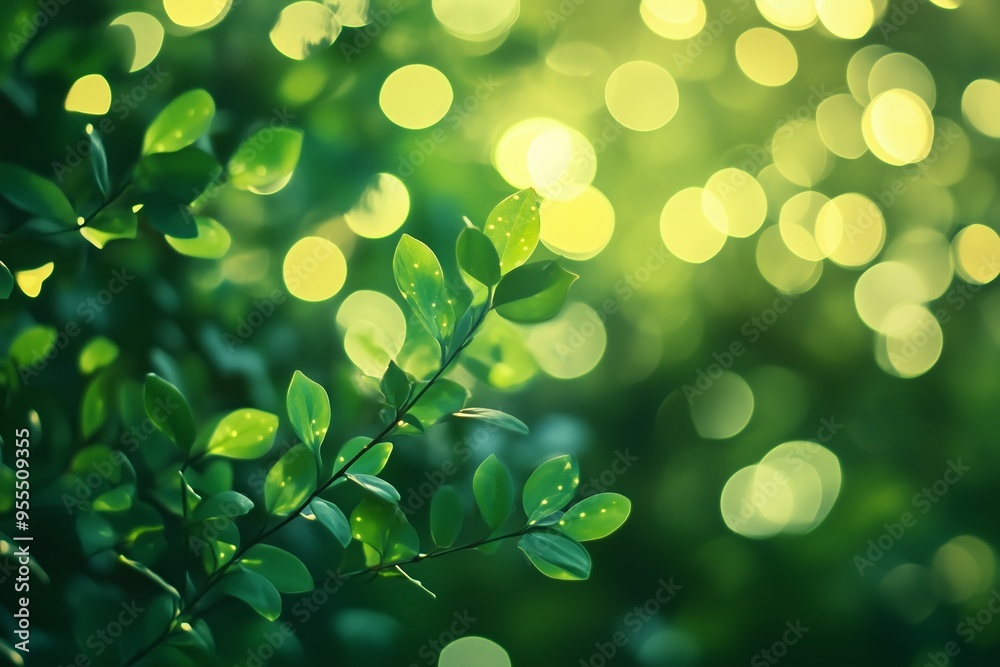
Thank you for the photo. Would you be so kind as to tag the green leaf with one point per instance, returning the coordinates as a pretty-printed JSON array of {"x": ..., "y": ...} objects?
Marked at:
[
  {"x": 308, "y": 411},
  {"x": 477, "y": 256},
  {"x": 180, "y": 123},
  {"x": 447, "y": 516},
  {"x": 282, "y": 569},
  {"x": 212, "y": 240},
  {"x": 110, "y": 225},
  {"x": 445, "y": 397},
  {"x": 494, "y": 491},
  {"x": 169, "y": 217},
  {"x": 376, "y": 486},
  {"x": 533, "y": 293},
  {"x": 371, "y": 463},
  {"x": 266, "y": 158},
  {"x": 229, "y": 504},
  {"x": 494, "y": 418},
  {"x": 595, "y": 517},
  {"x": 97, "y": 353},
  {"x": 290, "y": 481},
  {"x": 6, "y": 281},
  {"x": 244, "y": 434},
  {"x": 332, "y": 519},
  {"x": 395, "y": 385},
  {"x": 94, "y": 411},
  {"x": 556, "y": 556},
  {"x": 421, "y": 281},
  {"x": 39, "y": 196},
  {"x": 550, "y": 487},
  {"x": 115, "y": 500},
  {"x": 33, "y": 345},
  {"x": 99, "y": 161},
  {"x": 513, "y": 228},
  {"x": 178, "y": 177},
  {"x": 169, "y": 411},
  {"x": 384, "y": 528},
  {"x": 255, "y": 590}
]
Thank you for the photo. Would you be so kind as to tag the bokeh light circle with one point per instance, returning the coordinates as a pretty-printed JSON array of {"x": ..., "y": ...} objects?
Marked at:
[
  {"x": 476, "y": 651},
  {"x": 781, "y": 267},
  {"x": 303, "y": 28},
  {"x": 898, "y": 127},
  {"x": 724, "y": 409},
  {"x": 883, "y": 289},
  {"x": 847, "y": 19},
  {"x": 981, "y": 106},
  {"x": 976, "y": 249},
  {"x": 577, "y": 228},
  {"x": 641, "y": 95},
  {"x": 766, "y": 56},
  {"x": 570, "y": 345},
  {"x": 416, "y": 96},
  {"x": 743, "y": 199},
  {"x": 314, "y": 269},
  {"x": 381, "y": 209},
  {"x": 693, "y": 225},
  {"x": 561, "y": 163}
]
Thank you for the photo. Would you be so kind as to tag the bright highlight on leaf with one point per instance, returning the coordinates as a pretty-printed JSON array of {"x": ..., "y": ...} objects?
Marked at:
[
  {"x": 90, "y": 94},
  {"x": 308, "y": 411},
  {"x": 420, "y": 280},
  {"x": 30, "y": 280},
  {"x": 212, "y": 240},
  {"x": 290, "y": 481}
]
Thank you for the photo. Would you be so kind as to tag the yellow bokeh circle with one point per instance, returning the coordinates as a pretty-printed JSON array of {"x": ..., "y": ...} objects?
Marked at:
[
  {"x": 693, "y": 225},
  {"x": 981, "y": 105},
  {"x": 304, "y": 28},
  {"x": 381, "y": 209},
  {"x": 976, "y": 249},
  {"x": 314, "y": 269},
  {"x": 898, "y": 127},
  {"x": 641, "y": 95},
  {"x": 577, "y": 228},
  {"x": 766, "y": 56},
  {"x": 416, "y": 96}
]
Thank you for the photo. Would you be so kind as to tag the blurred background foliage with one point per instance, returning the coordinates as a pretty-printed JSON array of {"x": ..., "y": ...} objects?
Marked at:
[{"x": 708, "y": 326}]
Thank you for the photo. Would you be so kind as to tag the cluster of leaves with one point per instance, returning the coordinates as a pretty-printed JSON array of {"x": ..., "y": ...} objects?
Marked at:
[
  {"x": 174, "y": 180},
  {"x": 125, "y": 518}
]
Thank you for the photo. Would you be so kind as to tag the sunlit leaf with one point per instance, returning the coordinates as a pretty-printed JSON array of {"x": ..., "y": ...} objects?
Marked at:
[
  {"x": 376, "y": 486},
  {"x": 36, "y": 195},
  {"x": 478, "y": 257},
  {"x": 550, "y": 487},
  {"x": 212, "y": 240},
  {"x": 447, "y": 516},
  {"x": 285, "y": 571},
  {"x": 180, "y": 123},
  {"x": 420, "y": 279},
  {"x": 513, "y": 228},
  {"x": 30, "y": 280},
  {"x": 308, "y": 411},
  {"x": 533, "y": 293},
  {"x": 595, "y": 517},
  {"x": 370, "y": 463},
  {"x": 494, "y": 491},
  {"x": 33, "y": 345},
  {"x": 494, "y": 418},
  {"x": 115, "y": 500},
  {"x": 244, "y": 434},
  {"x": 332, "y": 519},
  {"x": 255, "y": 590},
  {"x": 290, "y": 481},
  {"x": 384, "y": 527},
  {"x": 556, "y": 556},
  {"x": 265, "y": 158},
  {"x": 169, "y": 411}
]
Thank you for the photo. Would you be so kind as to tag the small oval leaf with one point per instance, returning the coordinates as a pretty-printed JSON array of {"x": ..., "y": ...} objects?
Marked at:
[
  {"x": 494, "y": 491},
  {"x": 169, "y": 411},
  {"x": 447, "y": 516},
  {"x": 595, "y": 517},
  {"x": 244, "y": 434},
  {"x": 550, "y": 487},
  {"x": 180, "y": 123}
]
